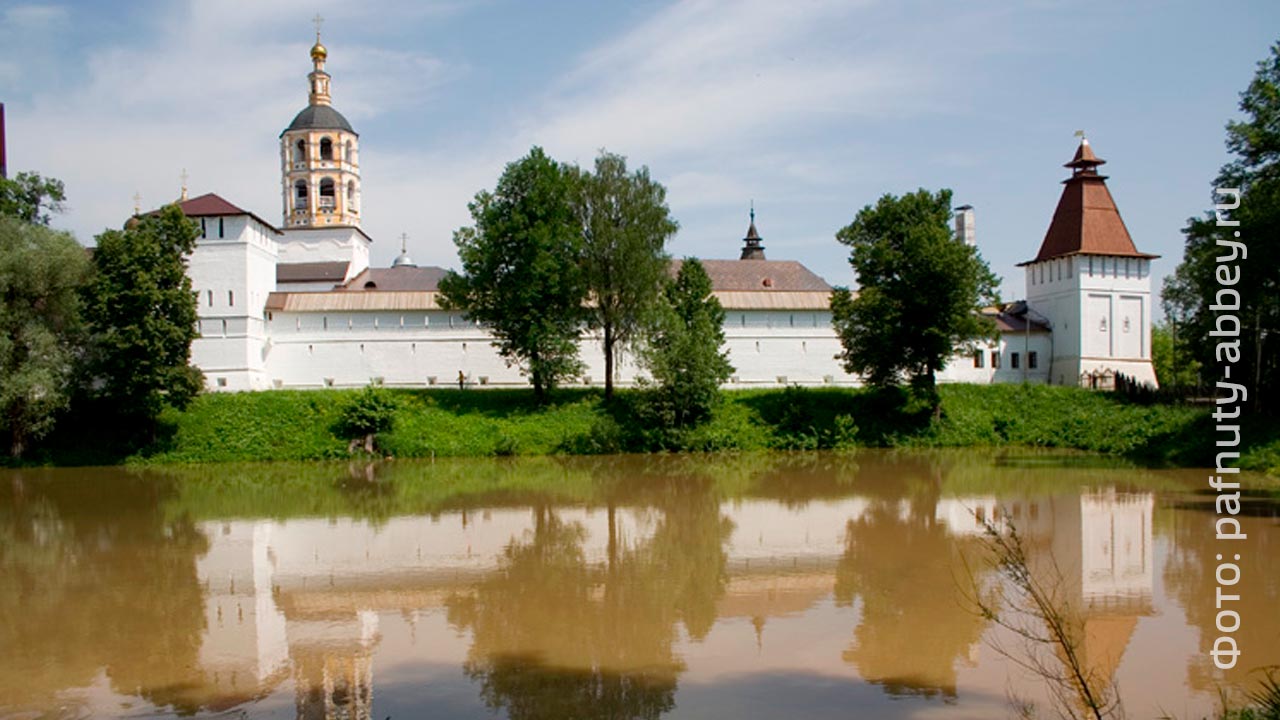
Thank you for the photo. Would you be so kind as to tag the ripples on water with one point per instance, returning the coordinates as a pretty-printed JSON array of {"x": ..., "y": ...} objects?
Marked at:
[{"x": 737, "y": 586}]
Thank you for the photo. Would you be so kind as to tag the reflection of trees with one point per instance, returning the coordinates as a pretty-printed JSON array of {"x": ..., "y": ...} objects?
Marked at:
[
  {"x": 913, "y": 627},
  {"x": 555, "y": 636},
  {"x": 1189, "y": 576},
  {"x": 95, "y": 578}
]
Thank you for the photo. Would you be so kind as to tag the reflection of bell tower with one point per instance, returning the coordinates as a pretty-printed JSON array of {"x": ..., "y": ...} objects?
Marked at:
[
  {"x": 333, "y": 665},
  {"x": 334, "y": 686},
  {"x": 319, "y": 155}
]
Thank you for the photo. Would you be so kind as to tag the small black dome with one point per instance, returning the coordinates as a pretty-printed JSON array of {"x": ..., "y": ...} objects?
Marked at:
[{"x": 319, "y": 117}]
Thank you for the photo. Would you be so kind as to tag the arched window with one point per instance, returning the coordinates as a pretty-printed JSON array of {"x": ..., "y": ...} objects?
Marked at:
[
  {"x": 300, "y": 151},
  {"x": 300, "y": 195},
  {"x": 351, "y": 195},
  {"x": 327, "y": 196},
  {"x": 349, "y": 152},
  {"x": 326, "y": 149}
]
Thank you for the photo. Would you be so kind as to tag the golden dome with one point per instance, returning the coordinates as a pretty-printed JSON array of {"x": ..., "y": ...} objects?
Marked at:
[{"x": 318, "y": 51}]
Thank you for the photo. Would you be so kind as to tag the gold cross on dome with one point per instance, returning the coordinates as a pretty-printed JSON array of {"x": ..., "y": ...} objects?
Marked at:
[
  {"x": 404, "y": 242},
  {"x": 318, "y": 20},
  {"x": 137, "y": 203}
]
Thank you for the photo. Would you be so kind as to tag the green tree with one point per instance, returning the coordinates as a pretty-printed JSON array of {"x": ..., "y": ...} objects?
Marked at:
[
  {"x": 369, "y": 413},
  {"x": 684, "y": 350},
  {"x": 1194, "y": 286},
  {"x": 1176, "y": 367},
  {"x": 625, "y": 228},
  {"x": 920, "y": 291},
  {"x": 41, "y": 272},
  {"x": 521, "y": 269},
  {"x": 141, "y": 313},
  {"x": 31, "y": 198}
]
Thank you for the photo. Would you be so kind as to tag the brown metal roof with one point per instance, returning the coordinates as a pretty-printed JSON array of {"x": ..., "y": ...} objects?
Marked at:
[
  {"x": 1012, "y": 318},
  {"x": 405, "y": 278},
  {"x": 352, "y": 301},
  {"x": 340, "y": 301},
  {"x": 758, "y": 300},
  {"x": 1086, "y": 221},
  {"x": 1006, "y": 323},
  {"x": 760, "y": 276},
  {"x": 211, "y": 205},
  {"x": 1084, "y": 157},
  {"x": 334, "y": 272}
]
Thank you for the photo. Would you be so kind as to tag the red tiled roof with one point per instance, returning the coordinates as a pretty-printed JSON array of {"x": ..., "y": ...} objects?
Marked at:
[
  {"x": 760, "y": 275},
  {"x": 1086, "y": 221}
]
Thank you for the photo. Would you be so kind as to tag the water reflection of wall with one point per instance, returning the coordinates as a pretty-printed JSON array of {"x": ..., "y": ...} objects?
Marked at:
[
  {"x": 311, "y": 589},
  {"x": 1101, "y": 542}
]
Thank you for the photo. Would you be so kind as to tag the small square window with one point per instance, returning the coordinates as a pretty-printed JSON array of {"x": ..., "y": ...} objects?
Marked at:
[
  {"x": 978, "y": 359},
  {"x": 1032, "y": 360},
  {"x": 1014, "y": 360},
  {"x": 995, "y": 359}
]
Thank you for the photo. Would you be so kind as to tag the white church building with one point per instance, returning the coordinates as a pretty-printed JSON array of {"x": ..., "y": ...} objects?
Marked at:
[{"x": 299, "y": 306}]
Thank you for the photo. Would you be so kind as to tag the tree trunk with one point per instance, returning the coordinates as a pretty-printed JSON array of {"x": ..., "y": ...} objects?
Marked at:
[
  {"x": 934, "y": 397},
  {"x": 17, "y": 438},
  {"x": 608, "y": 362}
]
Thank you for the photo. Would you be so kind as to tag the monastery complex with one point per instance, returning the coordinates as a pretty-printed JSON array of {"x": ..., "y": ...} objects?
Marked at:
[{"x": 297, "y": 305}]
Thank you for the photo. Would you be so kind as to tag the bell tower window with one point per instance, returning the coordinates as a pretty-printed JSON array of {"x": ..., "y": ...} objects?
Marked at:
[
  {"x": 326, "y": 149},
  {"x": 351, "y": 195},
  {"x": 300, "y": 195},
  {"x": 300, "y": 151},
  {"x": 327, "y": 194},
  {"x": 349, "y": 153}
]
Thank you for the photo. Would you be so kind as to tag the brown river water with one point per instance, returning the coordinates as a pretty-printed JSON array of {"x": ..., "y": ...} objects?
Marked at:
[{"x": 757, "y": 586}]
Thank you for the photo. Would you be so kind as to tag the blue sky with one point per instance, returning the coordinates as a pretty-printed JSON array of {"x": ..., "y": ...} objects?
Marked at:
[{"x": 812, "y": 109}]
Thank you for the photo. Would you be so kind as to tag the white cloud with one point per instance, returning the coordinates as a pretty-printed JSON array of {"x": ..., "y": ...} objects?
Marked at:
[
  {"x": 724, "y": 101},
  {"x": 715, "y": 76},
  {"x": 211, "y": 95}
]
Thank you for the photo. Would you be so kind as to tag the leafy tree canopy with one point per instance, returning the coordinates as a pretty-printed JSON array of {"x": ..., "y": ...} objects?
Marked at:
[
  {"x": 521, "y": 269},
  {"x": 142, "y": 316},
  {"x": 41, "y": 272},
  {"x": 685, "y": 352},
  {"x": 625, "y": 228},
  {"x": 31, "y": 198},
  {"x": 1190, "y": 292},
  {"x": 920, "y": 291}
]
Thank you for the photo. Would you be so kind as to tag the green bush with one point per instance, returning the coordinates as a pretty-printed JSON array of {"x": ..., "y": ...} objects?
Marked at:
[{"x": 371, "y": 412}]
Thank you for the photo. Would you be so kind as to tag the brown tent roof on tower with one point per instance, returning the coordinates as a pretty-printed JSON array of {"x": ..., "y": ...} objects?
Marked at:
[{"x": 1086, "y": 221}]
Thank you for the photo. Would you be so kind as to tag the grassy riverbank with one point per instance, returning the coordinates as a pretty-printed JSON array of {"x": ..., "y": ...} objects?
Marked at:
[{"x": 301, "y": 425}]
